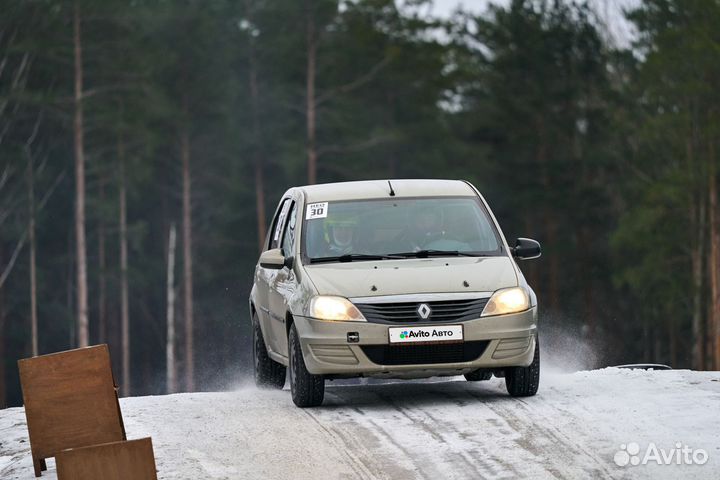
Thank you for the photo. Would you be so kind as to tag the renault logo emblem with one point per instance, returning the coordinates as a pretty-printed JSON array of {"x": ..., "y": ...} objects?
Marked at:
[{"x": 424, "y": 311}]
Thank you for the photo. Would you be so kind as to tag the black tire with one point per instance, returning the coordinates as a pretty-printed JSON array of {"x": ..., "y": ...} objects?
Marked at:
[
  {"x": 268, "y": 372},
  {"x": 478, "y": 375},
  {"x": 524, "y": 381},
  {"x": 307, "y": 390}
]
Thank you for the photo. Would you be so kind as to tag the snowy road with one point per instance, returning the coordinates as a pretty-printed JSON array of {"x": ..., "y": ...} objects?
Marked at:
[{"x": 441, "y": 430}]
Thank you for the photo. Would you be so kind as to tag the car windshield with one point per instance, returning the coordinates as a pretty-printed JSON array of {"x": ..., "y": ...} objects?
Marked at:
[{"x": 398, "y": 228}]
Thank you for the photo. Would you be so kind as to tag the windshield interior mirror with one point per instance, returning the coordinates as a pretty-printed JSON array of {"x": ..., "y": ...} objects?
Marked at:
[
  {"x": 272, "y": 259},
  {"x": 526, "y": 249}
]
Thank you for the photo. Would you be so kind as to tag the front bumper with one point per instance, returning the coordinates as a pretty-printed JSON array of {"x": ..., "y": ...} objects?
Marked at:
[{"x": 510, "y": 343}]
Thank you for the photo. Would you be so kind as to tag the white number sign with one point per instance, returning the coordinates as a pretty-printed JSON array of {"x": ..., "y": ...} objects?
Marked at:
[{"x": 316, "y": 210}]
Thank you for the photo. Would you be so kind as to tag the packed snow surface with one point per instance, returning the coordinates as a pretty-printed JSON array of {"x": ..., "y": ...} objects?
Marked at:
[{"x": 442, "y": 429}]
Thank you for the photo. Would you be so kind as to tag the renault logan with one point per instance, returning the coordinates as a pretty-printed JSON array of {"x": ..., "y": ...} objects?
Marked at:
[{"x": 391, "y": 279}]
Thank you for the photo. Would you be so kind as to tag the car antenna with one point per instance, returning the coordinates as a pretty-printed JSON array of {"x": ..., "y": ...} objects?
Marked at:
[{"x": 392, "y": 192}]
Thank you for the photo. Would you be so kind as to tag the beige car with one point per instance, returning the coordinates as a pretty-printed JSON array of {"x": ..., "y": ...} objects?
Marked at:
[{"x": 391, "y": 279}]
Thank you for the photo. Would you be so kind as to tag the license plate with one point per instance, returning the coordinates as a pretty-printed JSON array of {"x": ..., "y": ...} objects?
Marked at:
[{"x": 444, "y": 333}]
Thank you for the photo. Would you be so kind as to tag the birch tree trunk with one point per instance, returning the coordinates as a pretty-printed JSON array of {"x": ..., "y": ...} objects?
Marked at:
[
  {"x": 170, "y": 342},
  {"x": 697, "y": 257},
  {"x": 69, "y": 288},
  {"x": 714, "y": 264},
  {"x": 33, "y": 271},
  {"x": 260, "y": 202},
  {"x": 187, "y": 259},
  {"x": 310, "y": 92},
  {"x": 102, "y": 266},
  {"x": 697, "y": 254},
  {"x": 257, "y": 141},
  {"x": 82, "y": 296},
  {"x": 3, "y": 381},
  {"x": 124, "y": 302}
]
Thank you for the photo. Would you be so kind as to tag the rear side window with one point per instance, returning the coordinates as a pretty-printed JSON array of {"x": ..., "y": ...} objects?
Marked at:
[
  {"x": 278, "y": 224},
  {"x": 288, "y": 240}
]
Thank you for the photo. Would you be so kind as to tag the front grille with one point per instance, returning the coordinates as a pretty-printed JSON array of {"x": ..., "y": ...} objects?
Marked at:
[
  {"x": 406, "y": 312},
  {"x": 409, "y": 354}
]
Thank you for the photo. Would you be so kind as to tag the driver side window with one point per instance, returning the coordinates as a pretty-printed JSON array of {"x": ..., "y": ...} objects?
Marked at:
[
  {"x": 278, "y": 224},
  {"x": 288, "y": 241}
]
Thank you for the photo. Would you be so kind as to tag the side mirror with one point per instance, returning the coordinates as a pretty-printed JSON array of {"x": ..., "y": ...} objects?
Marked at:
[
  {"x": 526, "y": 249},
  {"x": 272, "y": 259}
]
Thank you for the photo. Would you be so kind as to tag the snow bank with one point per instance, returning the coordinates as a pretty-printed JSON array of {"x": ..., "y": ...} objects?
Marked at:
[{"x": 573, "y": 428}]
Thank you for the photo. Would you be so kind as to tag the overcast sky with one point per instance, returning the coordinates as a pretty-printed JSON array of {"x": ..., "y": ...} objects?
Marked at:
[
  {"x": 445, "y": 7},
  {"x": 609, "y": 10}
]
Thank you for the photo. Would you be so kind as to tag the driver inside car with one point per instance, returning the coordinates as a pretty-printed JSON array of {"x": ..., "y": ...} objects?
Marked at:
[
  {"x": 341, "y": 234},
  {"x": 427, "y": 228}
]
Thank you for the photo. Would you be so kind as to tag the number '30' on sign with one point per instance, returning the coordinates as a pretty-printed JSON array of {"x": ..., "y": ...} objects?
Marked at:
[{"x": 316, "y": 210}]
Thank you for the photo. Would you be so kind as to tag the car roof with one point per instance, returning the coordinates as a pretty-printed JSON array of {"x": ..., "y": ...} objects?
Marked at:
[{"x": 368, "y": 189}]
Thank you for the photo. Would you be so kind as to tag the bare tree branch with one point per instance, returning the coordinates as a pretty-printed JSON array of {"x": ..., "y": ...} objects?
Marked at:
[
  {"x": 7, "y": 48},
  {"x": 51, "y": 190},
  {"x": 33, "y": 134},
  {"x": 23, "y": 238},
  {"x": 24, "y": 64},
  {"x": 5, "y": 128},
  {"x": 18, "y": 80},
  {"x": 4, "y": 177},
  {"x": 2, "y": 65},
  {"x": 13, "y": 258}
]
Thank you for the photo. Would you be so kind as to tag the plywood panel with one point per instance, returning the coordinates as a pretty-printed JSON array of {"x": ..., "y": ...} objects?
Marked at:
[
  {"x": 70, "y": 401},
  {"x": 133, "y": 459}
]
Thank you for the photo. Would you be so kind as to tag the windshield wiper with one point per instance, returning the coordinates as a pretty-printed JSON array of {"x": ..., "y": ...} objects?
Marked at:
[
  {"x": 349, "y": 257},
  {"x": 438, "y": 253}
]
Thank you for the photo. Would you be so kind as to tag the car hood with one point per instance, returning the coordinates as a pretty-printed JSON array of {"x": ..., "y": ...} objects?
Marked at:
[{"x": 397, "y": 277}]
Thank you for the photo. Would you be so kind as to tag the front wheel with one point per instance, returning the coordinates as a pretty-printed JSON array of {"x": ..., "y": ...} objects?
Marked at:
[
  {"x": 524, "y": 381},
  {"x": 268, "y": 372},
  {"x": 307, "y": 390}
]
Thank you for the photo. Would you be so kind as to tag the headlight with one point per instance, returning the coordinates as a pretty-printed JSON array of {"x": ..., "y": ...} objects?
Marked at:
[
  {"x": 334, "y": 308},
  {"x": 507, "y": 300}
]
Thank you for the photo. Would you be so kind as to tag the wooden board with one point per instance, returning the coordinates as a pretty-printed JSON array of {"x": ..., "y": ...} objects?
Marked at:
[
  {"x": 70, "y": 401},
  {"x": 133, "y": 459}
]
